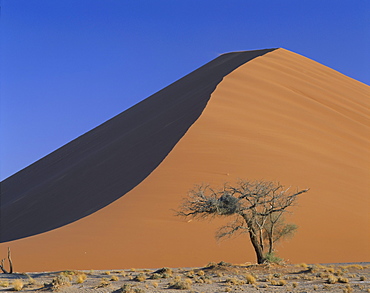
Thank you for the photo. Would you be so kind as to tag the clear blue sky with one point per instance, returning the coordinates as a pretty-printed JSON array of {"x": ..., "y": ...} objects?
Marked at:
[{"x": 69, "y": 65}]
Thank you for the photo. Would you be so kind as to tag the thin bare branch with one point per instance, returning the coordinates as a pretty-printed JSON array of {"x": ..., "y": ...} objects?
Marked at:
[{"x": 258, "y": 207}]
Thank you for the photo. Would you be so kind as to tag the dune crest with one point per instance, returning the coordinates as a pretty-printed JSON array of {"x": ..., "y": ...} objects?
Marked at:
[
  {"x": 105, "y": 163},
  {"x": 281, "y": 117}
]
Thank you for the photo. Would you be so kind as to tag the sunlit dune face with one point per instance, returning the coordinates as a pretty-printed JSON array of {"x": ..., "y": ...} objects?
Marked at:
[{"x": 278, "y": 117}]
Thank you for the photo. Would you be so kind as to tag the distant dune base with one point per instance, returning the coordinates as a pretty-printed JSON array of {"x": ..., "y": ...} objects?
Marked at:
[{"x": 279, "y": 116}]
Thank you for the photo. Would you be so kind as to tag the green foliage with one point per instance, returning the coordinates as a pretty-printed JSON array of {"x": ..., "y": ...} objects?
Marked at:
[{"x": 272, "y": 258}]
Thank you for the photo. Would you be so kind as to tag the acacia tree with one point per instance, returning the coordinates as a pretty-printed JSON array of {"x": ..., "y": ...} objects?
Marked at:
[{"x": 257, "y": 208}]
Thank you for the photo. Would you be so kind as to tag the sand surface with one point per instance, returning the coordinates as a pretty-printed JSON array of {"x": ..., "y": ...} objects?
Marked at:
[{"x": 281, "y": 117}]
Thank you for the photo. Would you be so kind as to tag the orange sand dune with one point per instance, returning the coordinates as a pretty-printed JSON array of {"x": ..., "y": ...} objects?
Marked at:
[{"x": 279, "y": 117}]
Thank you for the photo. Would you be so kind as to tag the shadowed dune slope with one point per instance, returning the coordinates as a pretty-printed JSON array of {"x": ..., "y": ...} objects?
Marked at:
[
  {"x": 102, "y": 165},
  {"x": 281, "y": 117}
]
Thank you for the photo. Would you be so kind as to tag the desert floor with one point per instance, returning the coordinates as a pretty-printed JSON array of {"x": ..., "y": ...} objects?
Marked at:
[{"x": 221, "y": 277}]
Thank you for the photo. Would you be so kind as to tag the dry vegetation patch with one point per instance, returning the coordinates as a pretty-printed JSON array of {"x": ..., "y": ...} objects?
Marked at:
[{"x": 214, "y": 277}]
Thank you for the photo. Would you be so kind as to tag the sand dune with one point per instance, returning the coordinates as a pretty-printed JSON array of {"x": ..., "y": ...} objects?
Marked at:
[
  {"x": 102, "y": 165},
  {"x": 279, "y": 116}
]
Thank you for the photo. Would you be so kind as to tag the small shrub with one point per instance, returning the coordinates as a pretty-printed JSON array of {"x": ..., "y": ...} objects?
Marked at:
[
  {"x": 126, "y": 288},
  {"x": 362, "y": 278},
  {"x": 351, "y": 276},
  {"x": 331, "y": 279},
  {"x": 107, "y": 273},
  {"x": 343, "y": 280},
  {"x": 18, "y": 285},
  {"x": 272, "y": 258},
  {"x": 60, "y": 281},
  {"x": 354, "y": 266},
  {"x": 156, "y": 276},
  {"x": 31, "y": 281},
  {"x": 348, "y": 289},
  {"x": 200, "y": 273},
  {"x": 162, "y": 273},
  {"x": 303, "y": 265},
  {"x": 234, "y": 281},
  {"x": 140, "y": 278},
  {"x": 104, "y": 282},
  {"x": 295, "y": 284},
  {"x": 114, "y": 278},
  {"x": 322, "y": 275},
  {"x": 177, "y": 283},
  {"x": 250, "y": 279},
  {"x": 273, "y": 282},
  {"x": 330, "y": 270},
  {"x": 282, "y": 282},
  {"x": 81, "y": 278}
]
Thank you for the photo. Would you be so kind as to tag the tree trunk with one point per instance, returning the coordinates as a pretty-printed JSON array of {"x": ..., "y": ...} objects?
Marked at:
[
  {"x": 258, "y": 248},
  {"x": 256, "y": 245},
  {"x": 271, "y": 240},
  {"x": 10, "y": 264},
  {"x": 271, "y": 243}
]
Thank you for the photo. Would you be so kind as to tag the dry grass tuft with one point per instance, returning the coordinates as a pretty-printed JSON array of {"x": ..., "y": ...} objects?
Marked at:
[
  {"x": 348, "y": 289},
  {"x": 343, "y": 280},
  {"x": 81, "y": 278},
  {"x": 126, "y": 288},
  {"x": 104, "y": 282},
  {"x": 4, "y": 283},
  {"x": 234, "y": 281},
  {"x": 180, "y": 284},
  {"x": 140, "y": 278},
  {"x": 354, "y": 266},
  {"x": 18, "y": 285},
  {"x": 250, "y": 279},
  {"x": 60, "y": 281},
  {"x": 162, "y": 273},
  {"x": 331, "y": 279},
  {"x": 282, "y": 282},
  {"x": 114, "y": 278}
]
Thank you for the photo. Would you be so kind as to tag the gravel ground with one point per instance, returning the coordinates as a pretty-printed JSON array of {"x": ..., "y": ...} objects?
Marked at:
[{"x": 221, "y": 277}]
